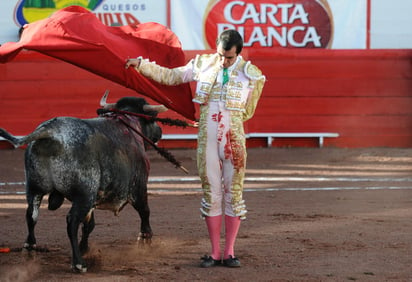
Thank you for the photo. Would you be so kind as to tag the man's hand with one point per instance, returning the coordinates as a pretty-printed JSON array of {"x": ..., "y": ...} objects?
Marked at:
[{"x": 132, "y": 62}]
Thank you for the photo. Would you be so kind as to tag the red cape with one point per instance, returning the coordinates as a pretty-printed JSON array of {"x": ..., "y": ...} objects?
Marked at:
[{"x": 77, "y": 36}]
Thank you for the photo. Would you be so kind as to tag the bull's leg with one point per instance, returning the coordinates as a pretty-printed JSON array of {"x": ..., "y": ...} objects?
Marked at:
[
  {"x": 142, "y": 207},
  {"x": 88, "y": 226},
  {"x": 32, "y": 214},
  {"x": 76, "y": 215}
]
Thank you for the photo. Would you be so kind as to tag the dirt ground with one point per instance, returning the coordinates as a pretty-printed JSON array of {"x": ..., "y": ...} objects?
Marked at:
[{"x": 314, "y": 215}]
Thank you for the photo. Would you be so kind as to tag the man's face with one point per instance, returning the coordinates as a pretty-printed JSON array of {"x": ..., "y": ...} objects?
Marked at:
[{"x": 227, "y": 58}]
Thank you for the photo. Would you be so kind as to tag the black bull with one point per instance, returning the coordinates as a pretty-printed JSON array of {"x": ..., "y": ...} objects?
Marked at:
[{"x": 94, "y": 163}]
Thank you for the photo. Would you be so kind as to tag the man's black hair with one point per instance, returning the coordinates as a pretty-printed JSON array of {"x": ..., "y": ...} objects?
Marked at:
[{"x": 230, "y": 38}]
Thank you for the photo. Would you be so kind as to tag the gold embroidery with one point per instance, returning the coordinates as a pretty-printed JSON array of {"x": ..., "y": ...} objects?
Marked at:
[
  {"x": 250, "y": 107},
  {"x": 252, "y": 71},
  {"x": 216, "y": 87},
  {"x": 205, "y": 86},
  {"x": 234, "y": 94},
  {"x": 235, "y": 105},
  {"x": 217, "y": 97},
  {"x": 238, "y": 144},
  {"x": 235, "y": 84}
]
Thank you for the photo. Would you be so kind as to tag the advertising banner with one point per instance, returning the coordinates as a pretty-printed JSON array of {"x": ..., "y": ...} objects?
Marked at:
[{"x": 334, "y": 24}]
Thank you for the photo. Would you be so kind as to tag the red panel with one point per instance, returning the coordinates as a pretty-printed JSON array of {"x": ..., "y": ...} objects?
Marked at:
[
  {"x": 340, "y": 86},
  {"x": 361, "y": 68},
  {"x": 344, "y": 125},
  {"x": 335, "y": 106}
]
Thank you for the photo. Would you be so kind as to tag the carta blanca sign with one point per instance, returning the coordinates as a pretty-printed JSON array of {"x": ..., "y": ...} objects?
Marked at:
[
  {"x": 276, "y": 23},
  {"x": 121, "y": 13}
]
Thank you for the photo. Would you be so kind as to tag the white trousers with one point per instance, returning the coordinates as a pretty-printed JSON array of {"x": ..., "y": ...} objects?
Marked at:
[{"x": 218, "y": 161}]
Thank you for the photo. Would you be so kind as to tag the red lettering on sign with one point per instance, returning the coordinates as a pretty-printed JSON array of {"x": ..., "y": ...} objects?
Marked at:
[{"x": 110, "y": 19}]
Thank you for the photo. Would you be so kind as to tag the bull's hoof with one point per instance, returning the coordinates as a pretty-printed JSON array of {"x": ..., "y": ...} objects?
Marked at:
[
  {"x": 29, "y": 247},
  {"x": 33, "y": 247},
  {"x": 144, "y": 238},
  {"x": 78, "y": 268}
]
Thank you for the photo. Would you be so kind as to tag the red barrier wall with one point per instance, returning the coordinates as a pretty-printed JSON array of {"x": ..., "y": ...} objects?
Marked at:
[{"x": 364, "y": 95}]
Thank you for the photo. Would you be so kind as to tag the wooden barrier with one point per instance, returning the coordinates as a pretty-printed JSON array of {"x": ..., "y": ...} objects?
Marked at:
[{"x": 364, "y": 95}]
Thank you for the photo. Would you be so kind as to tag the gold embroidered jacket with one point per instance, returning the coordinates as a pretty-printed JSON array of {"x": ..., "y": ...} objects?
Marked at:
[{"x": 243, "y": 90}]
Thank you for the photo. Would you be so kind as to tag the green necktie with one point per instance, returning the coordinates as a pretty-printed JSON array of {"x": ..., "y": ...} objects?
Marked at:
[{"x": 225, "y": 76}]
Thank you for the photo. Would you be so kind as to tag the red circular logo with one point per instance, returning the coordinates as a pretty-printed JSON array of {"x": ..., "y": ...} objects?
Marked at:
[{"x": 271, "y": 23}]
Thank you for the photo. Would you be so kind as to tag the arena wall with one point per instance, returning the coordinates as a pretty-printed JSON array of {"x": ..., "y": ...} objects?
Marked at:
[{"x": 363, "y": 95}]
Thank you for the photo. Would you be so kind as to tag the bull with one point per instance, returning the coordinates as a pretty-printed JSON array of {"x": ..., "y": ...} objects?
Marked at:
[{"x": 97, "y": 163}]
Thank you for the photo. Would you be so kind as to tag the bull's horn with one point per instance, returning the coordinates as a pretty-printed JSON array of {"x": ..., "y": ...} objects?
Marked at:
[
  {"x": 104, "y": 98},
  {"x": 155, "y": 108},
  {"x": 103, "y": 103}
]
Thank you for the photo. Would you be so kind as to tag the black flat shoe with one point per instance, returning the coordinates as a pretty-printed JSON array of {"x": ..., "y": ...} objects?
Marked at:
[
  {"x": 231, "y": 262},
  {"x": 208, "y": 261}
]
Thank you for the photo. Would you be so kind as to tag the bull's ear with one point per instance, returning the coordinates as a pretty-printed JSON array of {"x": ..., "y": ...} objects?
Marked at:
[{"x": 155, "y": 108}]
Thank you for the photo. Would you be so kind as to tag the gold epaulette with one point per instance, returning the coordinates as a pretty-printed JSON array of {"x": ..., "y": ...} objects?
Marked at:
[
  {"x": 253, "y": 72},
  {"x": 205, "y": 60}
]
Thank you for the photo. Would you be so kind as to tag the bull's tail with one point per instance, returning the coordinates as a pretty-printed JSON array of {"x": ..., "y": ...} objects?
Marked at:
[
  {"x": 39, "y": 133},
  {"x": 13, "y": 140}
]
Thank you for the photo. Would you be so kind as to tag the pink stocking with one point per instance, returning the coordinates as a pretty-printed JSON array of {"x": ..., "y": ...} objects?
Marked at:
[
  {"x": 232, "y": 225},
  {"x": 214, "y": 225}
]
